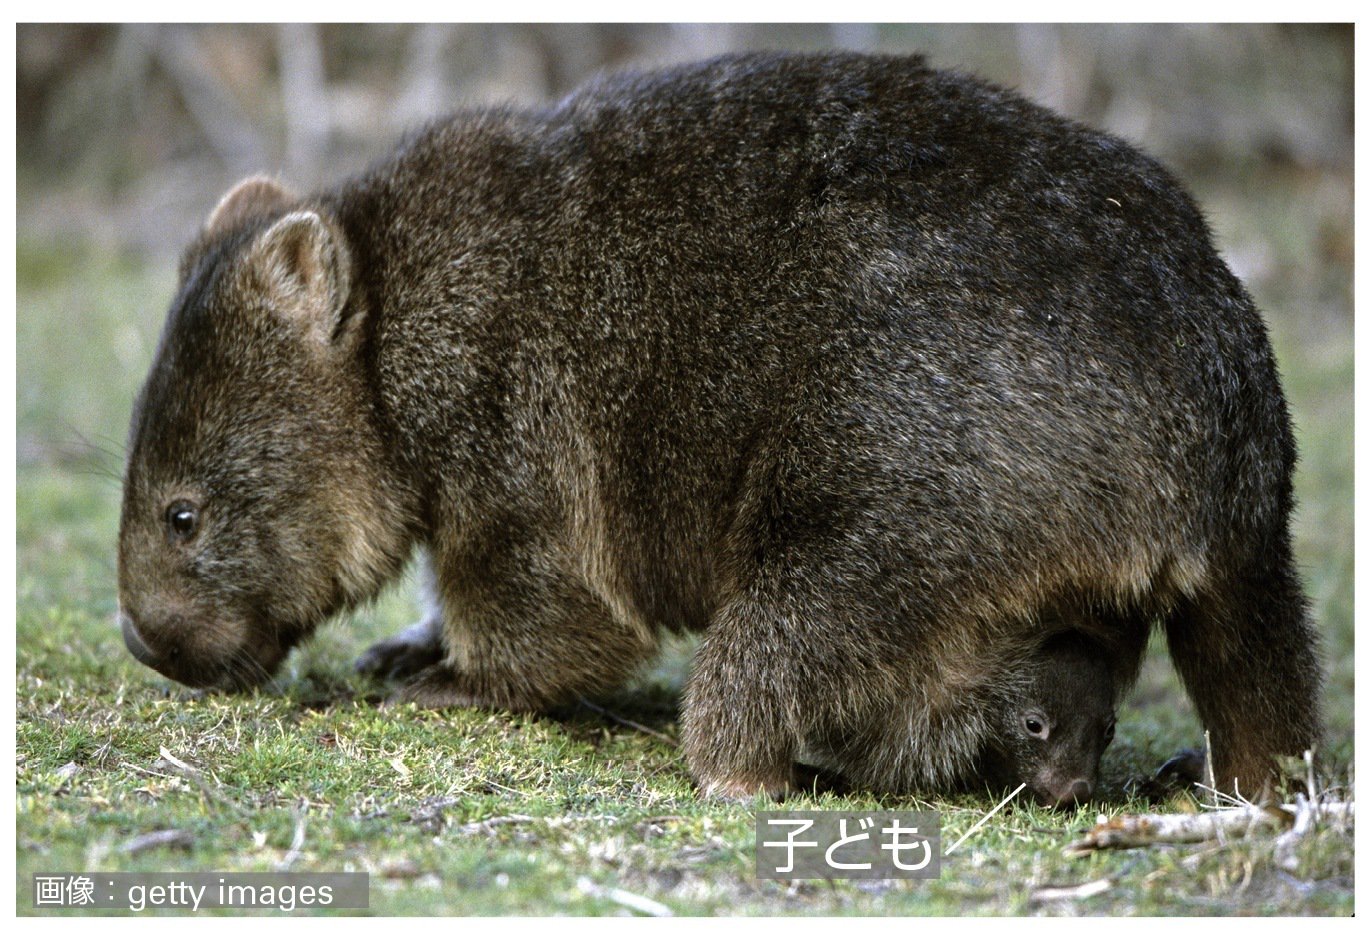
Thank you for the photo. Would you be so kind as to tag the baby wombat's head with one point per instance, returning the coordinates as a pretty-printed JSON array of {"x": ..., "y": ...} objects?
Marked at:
[
  {"x": 1054, "y": 731},
  {"x": 252, "y": 501}
]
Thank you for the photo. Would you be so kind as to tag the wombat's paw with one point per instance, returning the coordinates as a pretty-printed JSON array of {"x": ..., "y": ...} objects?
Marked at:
[
  {"x": 1176, "y": 776},
  {"x": 436, "y": 687},
  {"x": 403, "y": 655}
]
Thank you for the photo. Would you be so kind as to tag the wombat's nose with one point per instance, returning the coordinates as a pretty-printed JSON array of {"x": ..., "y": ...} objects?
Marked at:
[
  {"x": 134, "y": 641},
  {"x": 154, "y": 645},
  {"x": 144, "y": 650}
]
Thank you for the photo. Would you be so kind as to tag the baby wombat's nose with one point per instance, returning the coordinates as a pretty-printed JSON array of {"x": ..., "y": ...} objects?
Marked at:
[{"x": 1069, "y": 795}]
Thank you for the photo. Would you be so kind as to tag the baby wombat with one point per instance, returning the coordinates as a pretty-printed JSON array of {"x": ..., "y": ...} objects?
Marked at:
[
  {"x": 878, "y": 375},
  {"x": 1053, "y": 732},
  {"x": 1047, "y": 725}
]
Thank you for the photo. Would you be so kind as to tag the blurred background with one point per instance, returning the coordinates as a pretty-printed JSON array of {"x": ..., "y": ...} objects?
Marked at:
[{"x": 127, "y": 135}]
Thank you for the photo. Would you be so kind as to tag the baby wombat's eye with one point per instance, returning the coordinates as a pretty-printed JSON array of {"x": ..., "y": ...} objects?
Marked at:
[
  {"x": 1109, "y": 730},
  {"x": 1036, "y": 726},
  {"x": 182, "y": 519}
]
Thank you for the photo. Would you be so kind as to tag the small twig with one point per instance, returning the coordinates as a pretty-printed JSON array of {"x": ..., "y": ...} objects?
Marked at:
[
  {"x": 1140, "y": 831},
  {"x": 1311, "y": 776},
  {"x": 162, "y": 838},
  {"x": 1207, "y": 755},
  {"x": 635, "y": 902},
  {"x": 177, "y": 763},
  {"x": 487, "y": 825},
  {"x": 429, "y": 811},
  {"x": 296, "y": 846},
  {"x": 195, "y": 776},
  {"x": 1072, "y": 891}
]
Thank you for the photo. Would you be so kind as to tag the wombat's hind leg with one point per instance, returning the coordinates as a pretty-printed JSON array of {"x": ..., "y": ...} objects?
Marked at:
[{"x": 1247, "y": 655}]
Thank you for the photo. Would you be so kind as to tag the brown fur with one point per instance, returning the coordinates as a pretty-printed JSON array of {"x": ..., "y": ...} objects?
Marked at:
[{"x": 877, "y": 375}]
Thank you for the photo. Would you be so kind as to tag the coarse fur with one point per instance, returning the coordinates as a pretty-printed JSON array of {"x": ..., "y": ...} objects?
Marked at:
[{"x": 877, "y": 375}]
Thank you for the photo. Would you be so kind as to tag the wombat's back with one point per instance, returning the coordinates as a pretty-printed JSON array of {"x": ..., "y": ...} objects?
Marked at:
[{"x": 1011, "y": 331}]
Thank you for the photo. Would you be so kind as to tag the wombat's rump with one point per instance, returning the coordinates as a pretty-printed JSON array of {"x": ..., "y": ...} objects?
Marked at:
[{"x": 877, "y": 374}]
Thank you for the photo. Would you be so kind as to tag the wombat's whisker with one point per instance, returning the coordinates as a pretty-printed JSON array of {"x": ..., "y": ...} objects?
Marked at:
[{"x": 85, "y": 445}]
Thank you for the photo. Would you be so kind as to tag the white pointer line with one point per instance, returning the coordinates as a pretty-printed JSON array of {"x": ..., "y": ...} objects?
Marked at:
[{"x": 983, "y": 820}]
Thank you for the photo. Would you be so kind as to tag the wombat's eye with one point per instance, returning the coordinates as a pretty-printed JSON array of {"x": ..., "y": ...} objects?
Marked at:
[
  {"x": 1109, "y": 731},
  {"x": 182, "y": 519},
  {"x": 1036, "y": 726}
]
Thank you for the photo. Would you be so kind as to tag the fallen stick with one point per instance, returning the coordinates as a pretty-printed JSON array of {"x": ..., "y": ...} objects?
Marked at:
[{"x": 1143, "y": 830}]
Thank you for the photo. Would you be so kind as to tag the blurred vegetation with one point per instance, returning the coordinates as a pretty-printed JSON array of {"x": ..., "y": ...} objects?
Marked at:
[{"x": 126, "y": 137}]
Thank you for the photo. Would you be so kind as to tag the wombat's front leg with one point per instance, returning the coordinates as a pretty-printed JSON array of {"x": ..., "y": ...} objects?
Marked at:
[
  {"x": 410, "y": 651},
  {"x": 518, "y": 629}
]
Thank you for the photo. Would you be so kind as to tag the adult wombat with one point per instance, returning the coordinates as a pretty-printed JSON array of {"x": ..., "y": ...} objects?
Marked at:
[{"x": 879, "y": 375}]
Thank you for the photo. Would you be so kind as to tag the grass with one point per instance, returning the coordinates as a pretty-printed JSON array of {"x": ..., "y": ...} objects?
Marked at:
[{"x": 473, "y": 812}]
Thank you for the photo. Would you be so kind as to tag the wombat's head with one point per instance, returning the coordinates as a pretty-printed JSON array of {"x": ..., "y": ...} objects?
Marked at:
[
  {"x": 253, "y": 500},
  {"x": 1054, "y": 731}
]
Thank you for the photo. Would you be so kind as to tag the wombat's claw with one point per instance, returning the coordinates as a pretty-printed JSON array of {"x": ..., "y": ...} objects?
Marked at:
[{"x": 399, "y": 657}]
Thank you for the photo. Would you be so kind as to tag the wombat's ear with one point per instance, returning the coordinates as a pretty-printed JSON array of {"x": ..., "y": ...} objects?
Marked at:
[
  {"x": 303, "y": 264},
  {"x": 249, "y": 198}
]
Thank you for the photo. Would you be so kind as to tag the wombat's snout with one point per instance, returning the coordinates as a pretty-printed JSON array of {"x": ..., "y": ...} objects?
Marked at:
[
  {"x": 168, "y": 646},
  {"x": 133, "y": 640},
  {"x": 165, "y": 660}
]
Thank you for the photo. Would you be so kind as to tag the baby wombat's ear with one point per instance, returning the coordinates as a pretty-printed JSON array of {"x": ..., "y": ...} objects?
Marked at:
[
  {"x": 250, "y": 198},
  {"x": 302, "y": 265}
]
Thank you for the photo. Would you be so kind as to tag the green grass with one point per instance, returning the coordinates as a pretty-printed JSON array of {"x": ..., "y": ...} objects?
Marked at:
[{"x": 473, "y": 812}]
